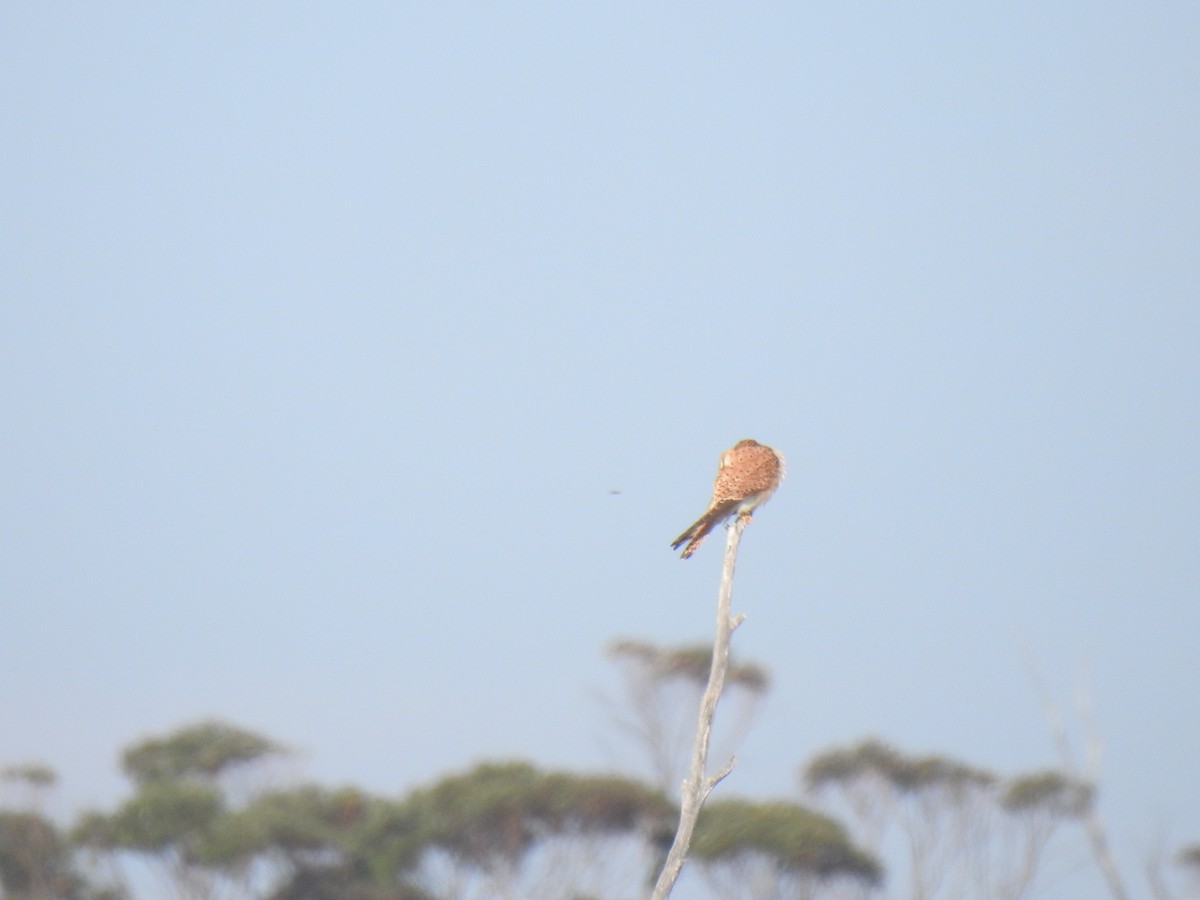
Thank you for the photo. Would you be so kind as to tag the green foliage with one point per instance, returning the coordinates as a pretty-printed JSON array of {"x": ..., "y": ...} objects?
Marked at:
[
  {"x": 223, "y": 842},
  {"x": 30, "y": 850},
  {"x": 94, "y": 831},
  {"x": 688, "y": 662},
  {"x": 390, "y": 841},
  {"x": 179, "y": 814},
  {"x": 202, "y": 751},
  {"x": 344, "y": 844},
  {"x": 1047, "y": 791},
  {"x": 35, "y": 861},
  {"x": 960, "y": 822},
  {"x": 301, "y": 820},
  {"x": 795, "y": 838},
  {"x": 480, "y": 815},
  {"x": 596, "y": 804},
  {"x": 907, "y": 774},
  {"x": 496, "y": 811},
  {"x": 940, "y": 772},
  {"x": 33, "y": 774},
  {"x": 160, "y": 815},
  {"x": 332, "y": 838},
  {"x": 871, "y": 757},
  {"x": 328, "y": 884}
]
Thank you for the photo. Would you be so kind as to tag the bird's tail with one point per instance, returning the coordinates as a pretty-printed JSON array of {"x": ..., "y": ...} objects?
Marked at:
[{"x": 696, "y": 533}]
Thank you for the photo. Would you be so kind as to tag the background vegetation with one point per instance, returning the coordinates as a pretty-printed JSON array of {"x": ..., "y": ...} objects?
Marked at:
[{"x": 865, "y": 820}]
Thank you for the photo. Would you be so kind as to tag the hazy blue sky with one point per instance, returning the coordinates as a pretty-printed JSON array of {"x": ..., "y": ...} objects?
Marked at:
[{"x": 328, "y": 329}]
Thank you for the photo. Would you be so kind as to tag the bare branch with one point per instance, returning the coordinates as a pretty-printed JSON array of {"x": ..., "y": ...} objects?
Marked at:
[
  {"x": 713, "y": 780},
  {"x": 696, "y": 787},
  {"x": 1093, "y": 826}
]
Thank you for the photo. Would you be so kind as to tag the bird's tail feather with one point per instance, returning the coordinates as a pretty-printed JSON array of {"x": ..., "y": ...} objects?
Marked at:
[{"x": 698, "y": 530}]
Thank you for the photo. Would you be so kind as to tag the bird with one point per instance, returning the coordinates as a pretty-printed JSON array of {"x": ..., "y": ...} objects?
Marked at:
[{"x": 747, "y": 475}]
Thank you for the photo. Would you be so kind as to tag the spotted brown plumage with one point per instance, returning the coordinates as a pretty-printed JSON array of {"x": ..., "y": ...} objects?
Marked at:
[{"x": 747, "y": 475}]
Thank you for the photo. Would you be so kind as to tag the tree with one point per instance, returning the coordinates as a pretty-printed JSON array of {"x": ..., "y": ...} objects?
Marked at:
[
  {"x": 36, "y": 859},
  {"x": 334, "y": 843},
  {"x": 203, "y": 752},
  {"x": 662, "y": 688},
  {"x": 511, "y": 830},
  {"x": 501, "y": 829},
  {"x": 966, "y": 831},
  {"x": 776, "y": 849},
  {"x": 180, "y": 818}
]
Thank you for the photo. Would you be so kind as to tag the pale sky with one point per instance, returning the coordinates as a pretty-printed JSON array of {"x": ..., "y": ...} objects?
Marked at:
[{"x": 328, "y": 330}]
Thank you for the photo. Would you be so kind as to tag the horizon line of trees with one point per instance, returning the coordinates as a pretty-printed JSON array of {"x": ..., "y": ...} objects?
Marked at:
[
  {"x": 501, "y": 829},
  {"x": 200, "y": 818}
]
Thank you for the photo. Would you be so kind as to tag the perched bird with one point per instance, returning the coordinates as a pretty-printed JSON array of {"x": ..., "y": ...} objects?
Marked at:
[{"x": 747, "y": 475}]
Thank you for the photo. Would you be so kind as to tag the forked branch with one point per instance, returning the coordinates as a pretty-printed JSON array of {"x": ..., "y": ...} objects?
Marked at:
[{"x": 698, "y": 786}]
